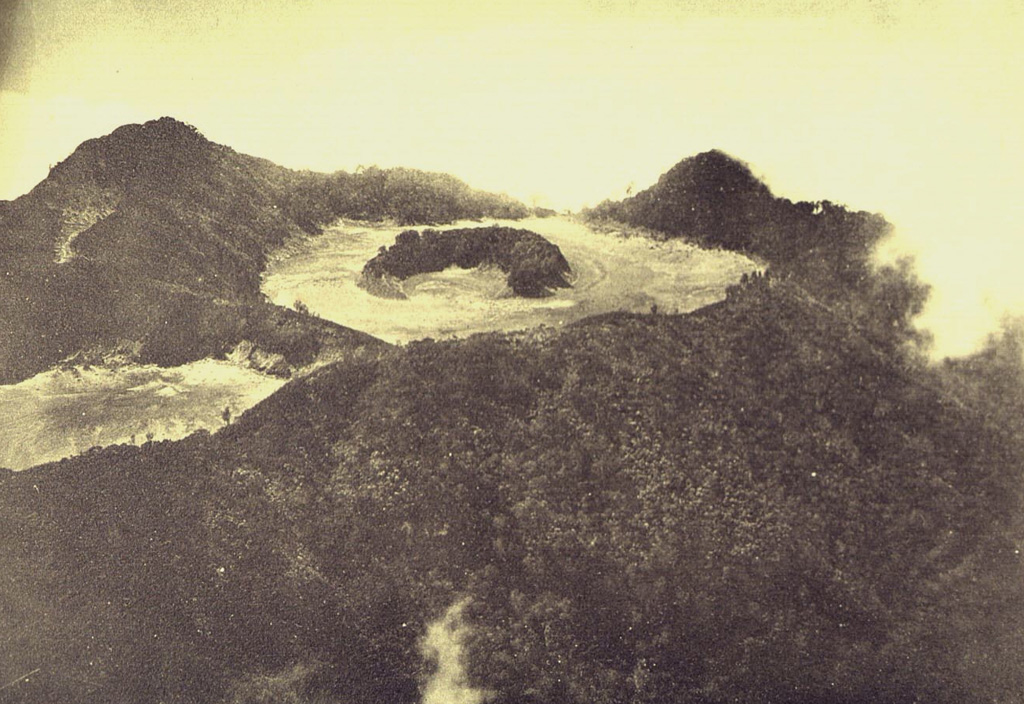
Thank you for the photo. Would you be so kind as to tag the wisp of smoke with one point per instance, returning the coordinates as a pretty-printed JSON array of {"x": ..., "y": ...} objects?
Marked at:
[{"x": 443, "y": 645}]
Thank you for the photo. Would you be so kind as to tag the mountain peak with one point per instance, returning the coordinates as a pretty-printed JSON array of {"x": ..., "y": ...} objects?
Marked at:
[
  {"x": 136, "y": 154},
  {"x": 162, "y": 129},
  {"x": 712, "y": 198},
  {"x": 715, "y": 170}
]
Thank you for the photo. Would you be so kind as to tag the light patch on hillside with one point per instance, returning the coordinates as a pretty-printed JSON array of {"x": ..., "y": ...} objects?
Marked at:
[
  {"x": 444, "y": 647},
  {"x": 64, "y": 412},
  {"x": 75, "y": 222}
]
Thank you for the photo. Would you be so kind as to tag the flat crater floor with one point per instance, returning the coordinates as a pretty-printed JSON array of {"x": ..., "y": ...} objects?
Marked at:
[
  {"x": 610, "y": 273},
  {"x": 64, "y": 412}
]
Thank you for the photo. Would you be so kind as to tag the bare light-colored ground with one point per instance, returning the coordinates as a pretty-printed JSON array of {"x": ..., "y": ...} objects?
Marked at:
[
  {"x": 611, "y": 273},
  {"x": 64, "y": 412}
]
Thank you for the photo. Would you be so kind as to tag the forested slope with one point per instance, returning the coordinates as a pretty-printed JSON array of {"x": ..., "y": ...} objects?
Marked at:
[
  {"x": 753, "y": 502},
  {"x": 154, "y": 219},
  {"x": 714, "y": 200}
]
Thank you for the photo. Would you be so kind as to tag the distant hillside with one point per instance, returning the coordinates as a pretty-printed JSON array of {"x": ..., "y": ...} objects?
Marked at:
[
  {"x": 714, "y": 200},
  {"x": 533, "y": 264},
  {"x": 412, "y": 197},
  {"x": 710, "y": 198},
  {"x": 138, "y": 226},
  {"x": 753, "y": 502}
]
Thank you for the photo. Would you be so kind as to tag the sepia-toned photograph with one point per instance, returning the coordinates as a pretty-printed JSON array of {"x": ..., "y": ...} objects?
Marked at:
[{"x": 511, "y": 352}]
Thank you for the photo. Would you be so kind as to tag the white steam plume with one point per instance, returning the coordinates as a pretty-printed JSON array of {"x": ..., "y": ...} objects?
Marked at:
[{"x": 443, "y": 645}]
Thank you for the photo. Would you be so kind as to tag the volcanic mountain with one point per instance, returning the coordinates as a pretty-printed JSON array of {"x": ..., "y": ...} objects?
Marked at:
[
  {"x": 769, "y": 499},
  {"x": 152, "y": 239}
]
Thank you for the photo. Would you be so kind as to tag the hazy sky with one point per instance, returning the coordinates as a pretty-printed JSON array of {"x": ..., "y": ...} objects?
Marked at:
[{"x": 908, "y": 108}]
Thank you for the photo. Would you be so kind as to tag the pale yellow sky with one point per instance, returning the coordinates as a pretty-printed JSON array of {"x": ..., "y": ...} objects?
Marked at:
[{"x": 908, "y": 108}]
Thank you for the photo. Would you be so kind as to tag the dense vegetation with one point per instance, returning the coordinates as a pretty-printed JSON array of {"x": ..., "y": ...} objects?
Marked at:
[
  {"x": 409, "y": 197},
  {"x": 715, "y": 201},
  {"x": 534, "y": 266},
  {"x": 753, "y": 502},
  {"x": 767, "y": 500},
  {"x": 153, "y": 219}
]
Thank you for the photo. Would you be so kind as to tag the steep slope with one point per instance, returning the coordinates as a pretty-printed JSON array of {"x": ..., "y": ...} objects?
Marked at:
[
  {"x": 714, "y": 200},
  {"x": 753, "y": 502},
  {"x": 153, "y": 219}
]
